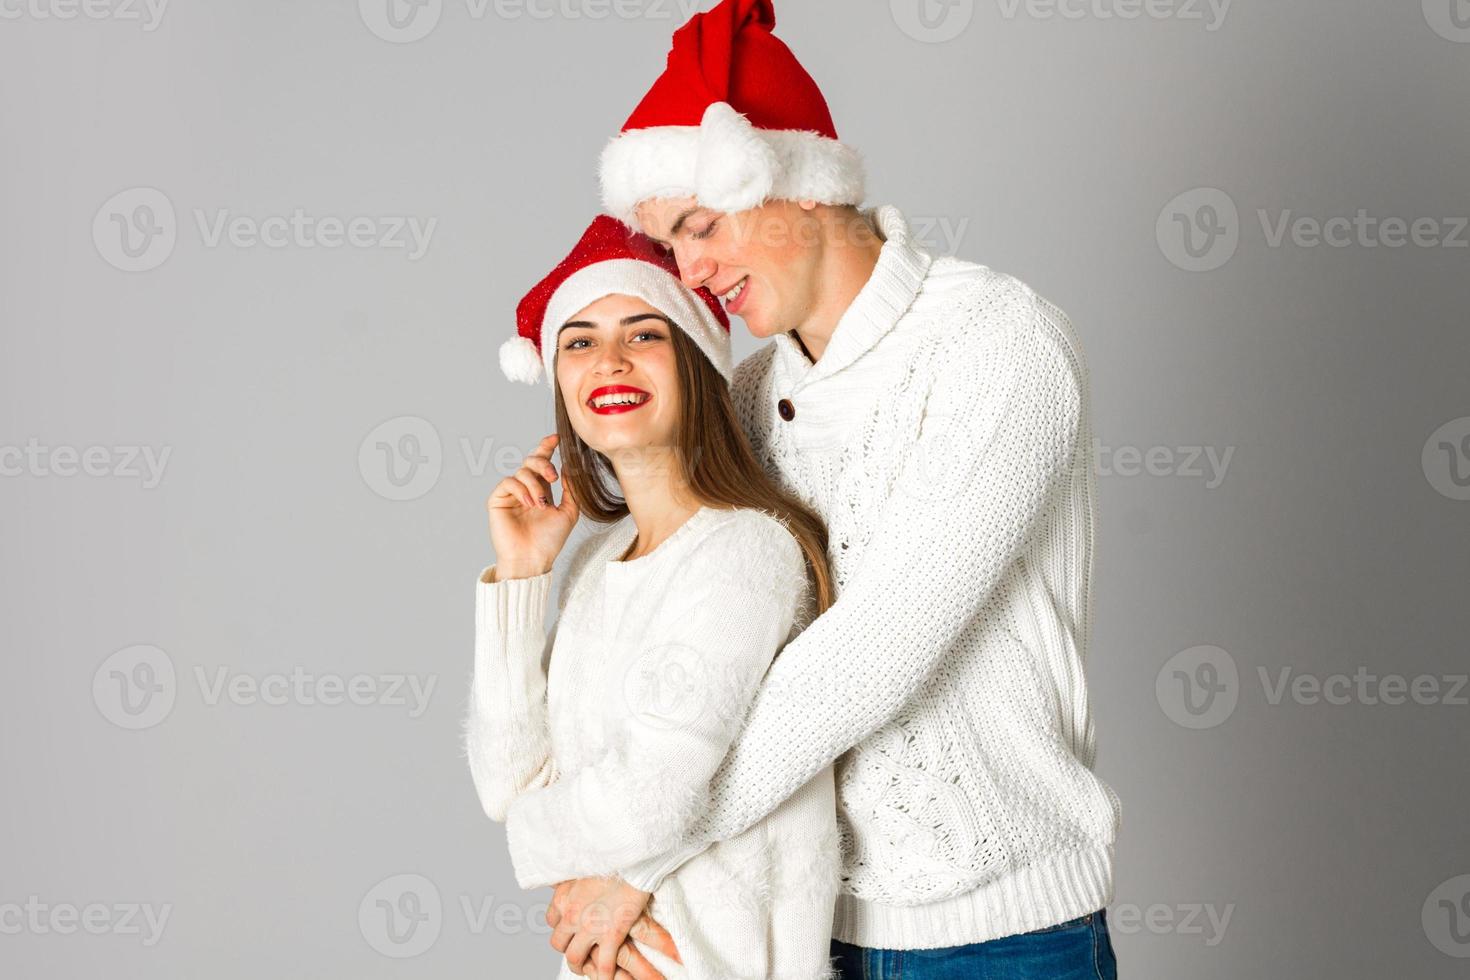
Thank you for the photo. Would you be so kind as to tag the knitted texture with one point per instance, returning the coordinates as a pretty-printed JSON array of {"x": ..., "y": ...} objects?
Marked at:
[
  {"x": 596, "y": 743},
  {"x": 944, "y": 435}
]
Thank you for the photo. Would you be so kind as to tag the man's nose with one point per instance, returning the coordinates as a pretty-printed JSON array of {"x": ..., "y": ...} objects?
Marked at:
[{"x": 694, "y": 268}]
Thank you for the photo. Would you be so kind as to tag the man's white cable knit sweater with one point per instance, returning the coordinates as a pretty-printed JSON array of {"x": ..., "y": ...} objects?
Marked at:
[
  {"x": 595, "y": 744},
  {"x": 944, "y": 435}
]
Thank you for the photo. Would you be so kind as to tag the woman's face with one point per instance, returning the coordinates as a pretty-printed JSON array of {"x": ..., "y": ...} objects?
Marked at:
[{"x": 616, "y": 369}]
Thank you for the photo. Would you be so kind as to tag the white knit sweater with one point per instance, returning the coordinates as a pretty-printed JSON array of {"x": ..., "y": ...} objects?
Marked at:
[
  {"x": 596, "y": 744},
  {"x": 944, "y": 436}
]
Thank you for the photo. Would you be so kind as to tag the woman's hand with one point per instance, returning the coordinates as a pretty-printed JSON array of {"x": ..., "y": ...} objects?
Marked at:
[
  {"x": 602, "y": 912},
  {"x": 526, "y": 529}
]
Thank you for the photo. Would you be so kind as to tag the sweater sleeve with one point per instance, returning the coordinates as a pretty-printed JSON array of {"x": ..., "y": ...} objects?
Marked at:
[
  {"x": 507, "y": 738},
  {"x": 996, "y": 441},
  {"x": 689, "y": 682}
]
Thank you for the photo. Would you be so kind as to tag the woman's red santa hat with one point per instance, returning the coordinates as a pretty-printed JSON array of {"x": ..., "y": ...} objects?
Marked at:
[
  {"x": 609, "y": 259},
  {"x": 733, "y": 121}
]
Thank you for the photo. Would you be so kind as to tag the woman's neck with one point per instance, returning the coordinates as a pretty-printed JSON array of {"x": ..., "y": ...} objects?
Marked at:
[{"x": 658, "y": 500}]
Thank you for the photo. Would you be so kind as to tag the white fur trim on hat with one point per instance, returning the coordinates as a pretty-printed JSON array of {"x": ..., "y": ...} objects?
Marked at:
[
  {"x": 727, "y": 164},
  {"x": 520, "y": 361},
  {"x": 657, "y": 288}
]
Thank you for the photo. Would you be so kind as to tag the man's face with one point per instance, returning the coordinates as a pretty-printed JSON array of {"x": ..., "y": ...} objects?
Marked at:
[{"x": 761, "y": 263}]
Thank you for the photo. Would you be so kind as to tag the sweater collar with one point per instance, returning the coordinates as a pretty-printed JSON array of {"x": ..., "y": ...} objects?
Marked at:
[{"x": 883, "y": 300}]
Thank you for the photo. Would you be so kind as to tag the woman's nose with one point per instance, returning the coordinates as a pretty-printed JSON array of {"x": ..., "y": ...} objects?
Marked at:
[{"x": 612, "y": 360}]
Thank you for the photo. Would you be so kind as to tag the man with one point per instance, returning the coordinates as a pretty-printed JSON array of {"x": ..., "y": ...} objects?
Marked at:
[{"x": 936, "y": 413}]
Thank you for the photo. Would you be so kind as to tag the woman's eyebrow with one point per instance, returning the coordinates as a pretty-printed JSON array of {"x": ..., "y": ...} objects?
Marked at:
[{"x": 630, "y": 320}]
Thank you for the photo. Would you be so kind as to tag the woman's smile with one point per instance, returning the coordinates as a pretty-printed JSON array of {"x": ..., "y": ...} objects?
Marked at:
[{"x": 617, "y": 399}]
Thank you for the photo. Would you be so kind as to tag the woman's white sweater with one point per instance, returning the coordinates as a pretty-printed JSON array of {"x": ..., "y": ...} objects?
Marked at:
[
  {"x": 944, "y": 435},
  {"x": 595, "y": 744}
]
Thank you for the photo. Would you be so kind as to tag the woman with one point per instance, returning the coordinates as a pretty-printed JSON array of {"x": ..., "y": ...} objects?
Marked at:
[{"x": 595, "y": 744}]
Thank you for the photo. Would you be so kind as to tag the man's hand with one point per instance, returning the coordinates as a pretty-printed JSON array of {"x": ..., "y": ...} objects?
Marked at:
[{"x": 600, "y": 913}]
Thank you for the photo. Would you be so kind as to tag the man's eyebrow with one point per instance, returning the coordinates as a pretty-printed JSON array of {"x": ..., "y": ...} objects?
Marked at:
[{"x": 679, "y": 221}]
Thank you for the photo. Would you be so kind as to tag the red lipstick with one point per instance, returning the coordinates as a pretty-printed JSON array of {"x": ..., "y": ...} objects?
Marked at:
[{"x": 642, "y": 398}]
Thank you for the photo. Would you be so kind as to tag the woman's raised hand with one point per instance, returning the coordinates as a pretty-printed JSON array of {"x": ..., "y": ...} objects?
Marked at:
[{"x": 527, "y": 530}]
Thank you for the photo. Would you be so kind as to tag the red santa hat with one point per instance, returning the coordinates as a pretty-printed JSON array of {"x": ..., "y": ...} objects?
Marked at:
[
  {"x": 733, "y": 121},
  {"x": 609, "y": 259}
]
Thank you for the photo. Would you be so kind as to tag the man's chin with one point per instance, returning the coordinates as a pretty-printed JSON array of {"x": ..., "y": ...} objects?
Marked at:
[{"x": 756, "y": 326}]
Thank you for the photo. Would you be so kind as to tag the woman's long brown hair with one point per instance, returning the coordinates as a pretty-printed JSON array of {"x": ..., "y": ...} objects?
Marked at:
[{"x": 715, "y": 460}]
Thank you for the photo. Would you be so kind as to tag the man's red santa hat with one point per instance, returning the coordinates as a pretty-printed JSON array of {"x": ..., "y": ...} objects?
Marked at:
[
  {"x": 733, "y": 121},
  {"x": 610, "y": 259}
]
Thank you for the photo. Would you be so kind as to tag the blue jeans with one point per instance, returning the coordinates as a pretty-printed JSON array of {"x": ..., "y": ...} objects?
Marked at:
[{"x": 1076, "y": 950}]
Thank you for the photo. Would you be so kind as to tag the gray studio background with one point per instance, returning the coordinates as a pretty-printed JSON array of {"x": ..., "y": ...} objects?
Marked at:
[{"x": 245, "y": 462}]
